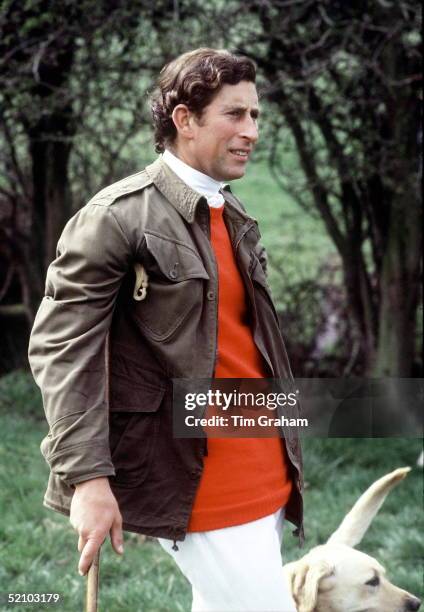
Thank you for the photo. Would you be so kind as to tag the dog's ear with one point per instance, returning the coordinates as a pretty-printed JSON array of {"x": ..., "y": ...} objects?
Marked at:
[
  {"x": 356, "y": 522},
  {"x": 304, "y": 579}
]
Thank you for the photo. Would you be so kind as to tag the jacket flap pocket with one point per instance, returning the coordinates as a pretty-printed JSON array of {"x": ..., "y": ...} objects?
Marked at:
[
  {"x": 127, "y": 397},
  {"x": 176, "y": 260}
]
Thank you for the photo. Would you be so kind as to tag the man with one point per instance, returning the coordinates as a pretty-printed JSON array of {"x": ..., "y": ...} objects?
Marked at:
[{"x": 165, "y": 267}]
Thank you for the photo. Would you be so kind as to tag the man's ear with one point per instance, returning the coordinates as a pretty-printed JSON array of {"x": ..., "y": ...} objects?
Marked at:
[
  {"x": 183, "y": 120},
  {"x": 304, "y": 581}
]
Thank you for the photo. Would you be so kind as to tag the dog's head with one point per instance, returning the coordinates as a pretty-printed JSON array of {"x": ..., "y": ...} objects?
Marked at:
[
  {"x": 335, "y": 577},
  {"x": 338, "y": 578}
]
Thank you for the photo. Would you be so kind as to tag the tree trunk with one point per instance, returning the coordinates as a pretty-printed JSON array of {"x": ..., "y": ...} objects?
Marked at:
[
  {"x": 399, "y": 285},
  {"x": 50, "y": 143},
  {"x": 51, "y": 199},
  {"x": 360, "y": 304},
  {"x": 400, "y": 275}
]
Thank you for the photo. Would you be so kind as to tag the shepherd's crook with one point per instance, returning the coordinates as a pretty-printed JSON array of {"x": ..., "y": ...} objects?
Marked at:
[{"x": 93, "y": 584}]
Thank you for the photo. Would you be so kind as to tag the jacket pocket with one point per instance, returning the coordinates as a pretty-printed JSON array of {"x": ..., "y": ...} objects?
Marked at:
[
  {"x": 176, "y": 278},
  {"x": 134, "y": 420}
]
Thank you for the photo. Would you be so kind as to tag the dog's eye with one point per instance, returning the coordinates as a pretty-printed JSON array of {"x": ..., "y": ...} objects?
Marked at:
[{"x": 374, "y": 581}]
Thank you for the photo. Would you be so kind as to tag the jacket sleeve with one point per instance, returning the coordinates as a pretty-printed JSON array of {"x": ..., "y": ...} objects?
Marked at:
[{"x": 67, "y": 343}]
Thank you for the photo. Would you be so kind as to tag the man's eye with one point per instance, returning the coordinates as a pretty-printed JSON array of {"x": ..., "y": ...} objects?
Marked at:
[{"x": 374, "y": 581}]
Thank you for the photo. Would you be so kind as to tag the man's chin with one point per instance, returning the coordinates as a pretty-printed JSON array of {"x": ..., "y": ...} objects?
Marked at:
[{"x": 234, "y": 174}]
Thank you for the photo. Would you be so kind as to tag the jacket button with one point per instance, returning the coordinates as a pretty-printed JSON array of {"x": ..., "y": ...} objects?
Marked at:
[
  {"x": 210, "y": 295},
  {"x": 174, "y": 273}
]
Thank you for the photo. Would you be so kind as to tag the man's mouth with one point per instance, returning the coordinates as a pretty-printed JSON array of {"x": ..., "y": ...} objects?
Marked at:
[{"x": 240, "y": 153}]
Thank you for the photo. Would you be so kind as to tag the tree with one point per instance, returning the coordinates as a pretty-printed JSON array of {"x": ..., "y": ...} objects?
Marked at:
[
  {"x": 61, "y": 65},
  {"x": 345, "y": 80},
  {"x": 342, "y": 77}
]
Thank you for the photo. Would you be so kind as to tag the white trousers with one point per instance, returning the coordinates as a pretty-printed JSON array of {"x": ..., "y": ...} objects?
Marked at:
[{"x": 236, "y": 569}]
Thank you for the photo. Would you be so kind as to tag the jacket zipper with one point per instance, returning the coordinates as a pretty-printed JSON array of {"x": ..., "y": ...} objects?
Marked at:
[{"x": 208, "y": 228}]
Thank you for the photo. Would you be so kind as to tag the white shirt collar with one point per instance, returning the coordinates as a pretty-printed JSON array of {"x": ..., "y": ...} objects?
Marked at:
[{"x": 202, "y": 183}]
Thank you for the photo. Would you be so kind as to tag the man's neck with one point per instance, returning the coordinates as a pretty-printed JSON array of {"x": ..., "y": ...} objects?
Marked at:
[{"x": 202, "y": 183}]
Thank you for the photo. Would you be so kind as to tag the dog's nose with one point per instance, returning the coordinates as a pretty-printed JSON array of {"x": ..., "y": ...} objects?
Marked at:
[{"x": 412, "y": 604}]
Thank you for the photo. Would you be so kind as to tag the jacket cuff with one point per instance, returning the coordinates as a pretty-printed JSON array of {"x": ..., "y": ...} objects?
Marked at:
[
  {"x": 74, "y": 481},
  {"x": 82, "y": 461}
]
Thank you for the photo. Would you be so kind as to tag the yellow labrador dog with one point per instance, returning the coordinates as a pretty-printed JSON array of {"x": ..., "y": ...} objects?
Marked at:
[{"x": 335, "y": 577}]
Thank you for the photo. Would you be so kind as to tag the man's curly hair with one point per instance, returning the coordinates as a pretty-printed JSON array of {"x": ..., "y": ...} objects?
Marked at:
[{"x": 194, "y": 79}]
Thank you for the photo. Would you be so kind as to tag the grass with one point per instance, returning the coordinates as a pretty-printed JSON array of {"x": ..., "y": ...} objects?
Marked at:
[{"x": 38, "y": 547}]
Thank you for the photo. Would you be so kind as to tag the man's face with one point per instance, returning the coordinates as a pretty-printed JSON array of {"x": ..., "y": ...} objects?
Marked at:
[{"x": 223, "y": 139}]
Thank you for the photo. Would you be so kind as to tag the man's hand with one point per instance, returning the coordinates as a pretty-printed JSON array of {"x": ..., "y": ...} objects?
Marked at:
[{"x": 95, "y": 513}]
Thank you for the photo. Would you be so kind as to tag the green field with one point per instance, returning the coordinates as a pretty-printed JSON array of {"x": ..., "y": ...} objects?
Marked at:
[{"x": 38, "y": 550}]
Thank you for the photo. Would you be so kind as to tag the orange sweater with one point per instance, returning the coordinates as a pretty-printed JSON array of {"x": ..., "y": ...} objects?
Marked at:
[{"x": 244, "y": 478}]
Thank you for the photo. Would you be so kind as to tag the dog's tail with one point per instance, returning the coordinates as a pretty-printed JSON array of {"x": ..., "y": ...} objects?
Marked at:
[{"x": 357, "y": 521}]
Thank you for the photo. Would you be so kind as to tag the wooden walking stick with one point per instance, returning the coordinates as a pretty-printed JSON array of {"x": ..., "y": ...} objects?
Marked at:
[{"x": 93, "y": 584}]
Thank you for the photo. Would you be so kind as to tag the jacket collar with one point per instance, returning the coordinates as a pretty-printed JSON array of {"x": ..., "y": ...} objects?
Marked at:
[
  {"x": 182, "y": 197},
  {"x": 235, "y": 206},
  {"x": 178, "y": 193}
]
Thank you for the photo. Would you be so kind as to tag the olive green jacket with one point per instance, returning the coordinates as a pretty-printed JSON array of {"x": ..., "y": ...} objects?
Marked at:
[{"x": 110, "y": 411}]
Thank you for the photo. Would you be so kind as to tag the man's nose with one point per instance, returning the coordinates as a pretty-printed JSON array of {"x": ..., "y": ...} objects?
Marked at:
[{"x": 250, "y": 130}]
